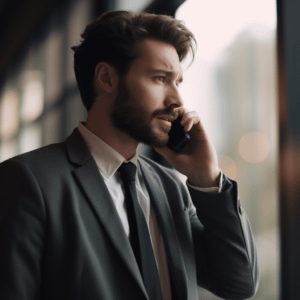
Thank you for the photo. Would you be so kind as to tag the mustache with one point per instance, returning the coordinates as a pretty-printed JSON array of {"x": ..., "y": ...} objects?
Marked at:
[{"x": 168, "y": 111}]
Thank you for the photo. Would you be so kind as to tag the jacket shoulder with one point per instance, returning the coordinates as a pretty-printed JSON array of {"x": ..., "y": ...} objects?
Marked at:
[{"x": 49, "y": 153}]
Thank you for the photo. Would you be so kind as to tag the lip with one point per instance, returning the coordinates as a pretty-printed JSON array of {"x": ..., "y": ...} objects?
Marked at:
[{"x": 167, "y": 118}]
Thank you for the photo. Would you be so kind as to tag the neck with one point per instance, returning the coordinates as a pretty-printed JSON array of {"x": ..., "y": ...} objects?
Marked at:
[{"x": 101, "y": 126}]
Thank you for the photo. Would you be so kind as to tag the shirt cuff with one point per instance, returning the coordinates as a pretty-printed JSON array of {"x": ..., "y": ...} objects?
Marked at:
[{"x": 214, "y": 189}]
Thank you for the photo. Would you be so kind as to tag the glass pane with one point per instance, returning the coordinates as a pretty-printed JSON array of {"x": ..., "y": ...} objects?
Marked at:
[
  {"x": 232, "y": 85},
  {"x": 76, "y": 112},
  {"x": 8, "y": 149},
  {"x": 33, "y": 95},
  {"x": 9, "y": 113},
  {"x": 132, "y": 4},
  {"x": 79, "y": 17},
  {"x": 30, "y": 138},
  {"x": 52, "y": 126},
  {"x": 54, "y": 66}
]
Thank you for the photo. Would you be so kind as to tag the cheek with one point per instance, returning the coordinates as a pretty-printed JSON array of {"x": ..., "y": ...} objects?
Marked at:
[{"x": 149, "y": 95}]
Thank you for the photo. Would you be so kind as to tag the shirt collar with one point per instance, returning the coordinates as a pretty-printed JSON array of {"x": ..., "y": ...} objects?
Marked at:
[{"x": 107, "y": 159}]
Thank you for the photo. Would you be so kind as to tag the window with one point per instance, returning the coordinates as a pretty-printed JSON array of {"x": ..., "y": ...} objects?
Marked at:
[
  {"x": 9, "y": 118},
  {"x": 39, "y": 100},
  {"x": 232, "y": 85}
]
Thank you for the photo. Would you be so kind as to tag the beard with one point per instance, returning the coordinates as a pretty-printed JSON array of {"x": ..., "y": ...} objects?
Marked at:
[{"x": 129, "y": 116}]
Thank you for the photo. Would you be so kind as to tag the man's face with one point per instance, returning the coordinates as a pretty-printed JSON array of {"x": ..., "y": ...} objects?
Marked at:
[{"x": 147, "y": 96}]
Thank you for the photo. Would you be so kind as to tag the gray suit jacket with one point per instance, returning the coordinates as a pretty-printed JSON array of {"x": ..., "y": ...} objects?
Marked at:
[{"x": 61, "y": 236}]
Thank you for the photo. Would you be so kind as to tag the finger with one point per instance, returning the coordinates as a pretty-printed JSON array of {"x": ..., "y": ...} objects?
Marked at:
[
  {"x": 181, "y": 111},
  {"x": 188, "y": 118},
  {"x": 188, "y": 124},
  {"x": 188, "y": 115}
]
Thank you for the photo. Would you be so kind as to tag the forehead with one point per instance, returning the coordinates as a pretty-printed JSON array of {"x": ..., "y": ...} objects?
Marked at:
[{"x": 157, "y": 54}]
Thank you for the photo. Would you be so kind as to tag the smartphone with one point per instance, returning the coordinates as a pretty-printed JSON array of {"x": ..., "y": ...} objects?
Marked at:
[{"x": 178, "y": 138}]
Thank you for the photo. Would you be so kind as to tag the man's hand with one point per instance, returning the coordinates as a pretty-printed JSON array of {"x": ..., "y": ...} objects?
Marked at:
[{"x": 198, "y": 160}]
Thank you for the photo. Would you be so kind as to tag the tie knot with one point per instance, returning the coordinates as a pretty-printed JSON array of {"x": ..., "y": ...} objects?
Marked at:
[{"x": 127, "y": 171}]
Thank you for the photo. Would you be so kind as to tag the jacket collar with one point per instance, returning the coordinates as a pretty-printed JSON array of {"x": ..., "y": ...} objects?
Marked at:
[
  {"x": 88, "y": 176},
  {"x": 77, "y": 149}
]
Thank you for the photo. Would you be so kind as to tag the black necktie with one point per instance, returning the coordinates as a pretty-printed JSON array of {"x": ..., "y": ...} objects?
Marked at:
[{"x": 139, "y": 234}]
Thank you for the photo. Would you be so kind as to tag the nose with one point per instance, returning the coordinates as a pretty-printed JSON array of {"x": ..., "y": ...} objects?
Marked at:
[{"x": 173, "y": 97}]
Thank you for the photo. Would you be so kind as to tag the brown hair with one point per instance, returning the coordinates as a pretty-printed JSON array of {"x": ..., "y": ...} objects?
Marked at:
[{"x": 113, "y": 37}]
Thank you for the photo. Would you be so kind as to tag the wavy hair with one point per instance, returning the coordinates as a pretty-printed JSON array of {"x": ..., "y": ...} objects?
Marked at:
[{"x": 113, "y": 38}]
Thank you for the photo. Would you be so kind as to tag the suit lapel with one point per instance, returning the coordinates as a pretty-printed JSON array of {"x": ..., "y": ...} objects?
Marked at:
[
  {"x": 163, "y": 214},
  {"x": 88, "y": 176}
]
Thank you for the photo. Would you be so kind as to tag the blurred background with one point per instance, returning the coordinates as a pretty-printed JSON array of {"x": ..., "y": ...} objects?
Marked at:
[{"x": 243, "y": 84}]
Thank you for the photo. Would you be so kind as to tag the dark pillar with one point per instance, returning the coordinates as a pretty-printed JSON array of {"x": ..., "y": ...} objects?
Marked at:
[{"x": 289, "y": 145}]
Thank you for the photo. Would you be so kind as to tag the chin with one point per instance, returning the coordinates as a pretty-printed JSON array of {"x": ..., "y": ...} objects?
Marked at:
[
  {"x": 155, "y": 137},
  {"x": 159, "y": 139}
]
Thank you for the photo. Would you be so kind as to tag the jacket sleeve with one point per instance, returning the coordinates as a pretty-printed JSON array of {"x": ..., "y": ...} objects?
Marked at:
[
  {"x": 22, "y": 215},
  {"x": 228, "y": 265}
]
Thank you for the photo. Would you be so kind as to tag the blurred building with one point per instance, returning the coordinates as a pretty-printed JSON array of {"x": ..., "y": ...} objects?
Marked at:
[
  {"x": 246, "y": 85},
  {"x": 232, "y": 84}
]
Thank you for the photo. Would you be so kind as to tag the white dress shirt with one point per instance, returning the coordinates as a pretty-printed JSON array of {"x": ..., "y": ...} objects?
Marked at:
[{"x": 108, "y": 161}]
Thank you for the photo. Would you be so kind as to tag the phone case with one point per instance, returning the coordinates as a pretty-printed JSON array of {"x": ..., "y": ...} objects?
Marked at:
[{"x": 178, "y": 138}]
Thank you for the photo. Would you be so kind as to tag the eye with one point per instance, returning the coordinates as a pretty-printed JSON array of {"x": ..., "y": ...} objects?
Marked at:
[{"x": 160, "y": 78}]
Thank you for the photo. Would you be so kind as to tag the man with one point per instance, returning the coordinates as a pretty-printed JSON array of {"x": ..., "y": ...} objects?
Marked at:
[{"x": 66, "y": 223}]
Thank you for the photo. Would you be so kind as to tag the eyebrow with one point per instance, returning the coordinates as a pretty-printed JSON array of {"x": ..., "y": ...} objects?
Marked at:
[{"x": 168, "y": 73}]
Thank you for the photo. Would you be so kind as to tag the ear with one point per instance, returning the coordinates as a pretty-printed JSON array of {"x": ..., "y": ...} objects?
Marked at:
[{"x": 106, "y": 78}]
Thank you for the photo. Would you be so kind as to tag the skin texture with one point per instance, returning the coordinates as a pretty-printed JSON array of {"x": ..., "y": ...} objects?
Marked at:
[{"x": 141, "y": 106}]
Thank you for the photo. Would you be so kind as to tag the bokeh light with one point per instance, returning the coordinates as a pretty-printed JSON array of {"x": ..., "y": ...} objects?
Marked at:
[
  {"x": 33, "y": 95},
  {"x": 9, "y": 120},
  {"x": 254, "y": 147},
  {"x": 228, "y": 166}
]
